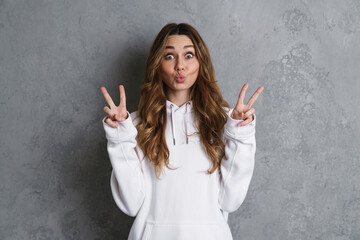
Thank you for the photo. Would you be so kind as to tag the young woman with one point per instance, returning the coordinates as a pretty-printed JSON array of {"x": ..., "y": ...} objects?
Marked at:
[{"x": 184, "y": 159}]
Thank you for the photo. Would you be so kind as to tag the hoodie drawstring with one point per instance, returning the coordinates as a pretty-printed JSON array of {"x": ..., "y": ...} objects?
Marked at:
[
  {"x": 172, "y": 122},
  {"x": 186, "y": 132},
  {"x": 173, "y": 125}
]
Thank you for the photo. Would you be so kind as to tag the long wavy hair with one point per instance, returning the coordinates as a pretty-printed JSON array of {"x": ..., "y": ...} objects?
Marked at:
[{"x": 208, "y": 103}]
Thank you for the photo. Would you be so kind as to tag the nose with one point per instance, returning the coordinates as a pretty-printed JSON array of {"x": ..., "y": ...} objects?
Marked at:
[{"x": 179, "y": 65}]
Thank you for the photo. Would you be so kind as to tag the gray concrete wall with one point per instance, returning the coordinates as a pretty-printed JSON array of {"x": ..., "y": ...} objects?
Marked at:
[{"x": 55, "y": 55}]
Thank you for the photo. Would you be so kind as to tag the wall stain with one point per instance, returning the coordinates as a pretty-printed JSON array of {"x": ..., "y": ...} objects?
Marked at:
[
  {"x": 234, "y": 25},
  {"x": 296, "y": 20},
  {"x": 313, "y": 140}
]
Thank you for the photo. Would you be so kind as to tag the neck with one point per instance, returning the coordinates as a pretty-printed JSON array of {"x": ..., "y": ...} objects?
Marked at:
[{"x": 179, "y": 97}]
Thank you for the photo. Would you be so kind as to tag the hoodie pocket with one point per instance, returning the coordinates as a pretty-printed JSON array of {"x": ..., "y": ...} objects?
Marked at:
[{"x": 159, "y": 231}]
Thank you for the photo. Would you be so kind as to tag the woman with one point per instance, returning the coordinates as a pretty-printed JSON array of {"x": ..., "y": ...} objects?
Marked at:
[{"x": 184, "y": 160}]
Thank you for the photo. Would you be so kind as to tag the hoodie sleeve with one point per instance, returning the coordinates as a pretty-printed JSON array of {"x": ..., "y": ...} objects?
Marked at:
[
  {"x": 237, "y": 167},
  {"x": 127, "y": 179}
]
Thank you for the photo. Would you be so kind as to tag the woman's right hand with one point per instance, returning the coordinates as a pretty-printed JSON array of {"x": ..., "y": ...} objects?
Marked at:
[{"x": 115, "y": 113}]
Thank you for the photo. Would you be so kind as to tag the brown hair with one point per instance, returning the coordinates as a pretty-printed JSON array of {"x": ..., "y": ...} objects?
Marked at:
[{"x": 208, "y": 103}]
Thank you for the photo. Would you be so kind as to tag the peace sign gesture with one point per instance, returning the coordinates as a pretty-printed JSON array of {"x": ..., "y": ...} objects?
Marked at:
[
  {"x": 115, "y": 113},
  {"x": 242, "y": 111}
]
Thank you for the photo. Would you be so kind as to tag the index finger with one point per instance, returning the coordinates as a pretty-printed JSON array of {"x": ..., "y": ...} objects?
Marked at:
[
  {"x": 108, "y": 98},
  {"x": 254, "y": 97},
  {"x": 242, "y": 94}
]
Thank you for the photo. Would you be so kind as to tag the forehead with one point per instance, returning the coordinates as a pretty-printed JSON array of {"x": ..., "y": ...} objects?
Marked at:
[{"x": 178, "y": 40}]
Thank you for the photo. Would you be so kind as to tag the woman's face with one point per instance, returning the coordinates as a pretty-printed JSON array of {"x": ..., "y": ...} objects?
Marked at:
[{"x": 179, "y": 66}]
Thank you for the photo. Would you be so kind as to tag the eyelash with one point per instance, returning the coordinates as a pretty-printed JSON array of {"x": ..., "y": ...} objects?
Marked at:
[{"x": 166, "y": 56}]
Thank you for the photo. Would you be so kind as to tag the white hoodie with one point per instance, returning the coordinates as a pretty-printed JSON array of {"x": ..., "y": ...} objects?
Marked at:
[{"x": 186, "y": 203}]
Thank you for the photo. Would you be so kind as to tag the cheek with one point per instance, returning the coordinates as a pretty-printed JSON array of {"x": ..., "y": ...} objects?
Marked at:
[
  {"x": 165, "y": 68},
  {"x": 165, "y": 73},
  {"x": 195, "y": 67}
]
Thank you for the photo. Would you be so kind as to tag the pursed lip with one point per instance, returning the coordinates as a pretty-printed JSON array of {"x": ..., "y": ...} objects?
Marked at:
[{"x": 180, "y": 76}]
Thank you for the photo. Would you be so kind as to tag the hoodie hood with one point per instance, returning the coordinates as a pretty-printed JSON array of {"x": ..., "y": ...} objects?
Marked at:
[{"x": 176, "y": 115}]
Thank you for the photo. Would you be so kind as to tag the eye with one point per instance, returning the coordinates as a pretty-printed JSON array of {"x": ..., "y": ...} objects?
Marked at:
[
  {"x": 189, "y": 55},
  {"x": 169, "y": 57}
]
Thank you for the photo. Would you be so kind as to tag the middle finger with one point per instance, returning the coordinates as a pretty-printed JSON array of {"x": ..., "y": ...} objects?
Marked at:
[
  {"x": 108, "y": 98},
  {"x": 254, "y": 97}
]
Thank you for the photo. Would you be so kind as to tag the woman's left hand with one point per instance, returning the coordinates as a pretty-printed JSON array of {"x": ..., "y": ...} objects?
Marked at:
[{"x": 242, "y": 111}]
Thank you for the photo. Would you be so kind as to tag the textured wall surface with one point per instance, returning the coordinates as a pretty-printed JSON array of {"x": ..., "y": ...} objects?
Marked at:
[{"x": 55, "y": 55}]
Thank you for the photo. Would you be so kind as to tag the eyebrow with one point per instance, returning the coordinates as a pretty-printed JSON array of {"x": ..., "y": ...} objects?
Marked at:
[{"x": 187, "y": 46}]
